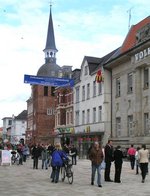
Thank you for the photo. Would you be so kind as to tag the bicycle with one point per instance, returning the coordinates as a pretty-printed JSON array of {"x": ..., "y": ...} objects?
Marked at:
[
  {"x": 15, "y": 158},
  {"x": 66, "y": 171}
]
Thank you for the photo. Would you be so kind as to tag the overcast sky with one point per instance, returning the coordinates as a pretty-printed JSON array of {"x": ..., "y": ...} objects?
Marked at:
[{"x": 82, "y": 27}]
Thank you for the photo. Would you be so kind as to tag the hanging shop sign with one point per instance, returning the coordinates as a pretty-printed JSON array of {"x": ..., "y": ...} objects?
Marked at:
[{"x": 66, "y": 130}]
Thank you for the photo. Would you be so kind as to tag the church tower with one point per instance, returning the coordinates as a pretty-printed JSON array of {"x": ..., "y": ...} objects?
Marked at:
[{"x": 41, "y": 104}]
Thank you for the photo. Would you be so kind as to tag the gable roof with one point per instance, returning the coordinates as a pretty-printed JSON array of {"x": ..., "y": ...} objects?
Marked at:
[
  {"x": 130, "y": 40},
  {"x": 22, "y": 115},
  {"x": 93, "y": 62}
]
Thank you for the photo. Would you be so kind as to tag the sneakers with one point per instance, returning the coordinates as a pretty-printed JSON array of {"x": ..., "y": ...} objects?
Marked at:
[
  {"x": 100, "y": 185},
  {"x": 92, "y": 183}
]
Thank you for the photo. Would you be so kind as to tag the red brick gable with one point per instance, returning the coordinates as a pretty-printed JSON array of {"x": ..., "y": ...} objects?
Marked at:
[{"x": 130, "y": 40}]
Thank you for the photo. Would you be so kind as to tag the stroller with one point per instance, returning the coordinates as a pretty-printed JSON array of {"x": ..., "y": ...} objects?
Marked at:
[{"x": 15, "y": 157}]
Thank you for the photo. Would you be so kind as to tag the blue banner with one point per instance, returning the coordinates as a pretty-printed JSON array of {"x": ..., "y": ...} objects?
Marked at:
[{"x": 48, "y": 81}]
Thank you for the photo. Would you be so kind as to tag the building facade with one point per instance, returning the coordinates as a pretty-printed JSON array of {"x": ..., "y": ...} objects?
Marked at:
[
  {"x": 14, "y": 128},
  {"x": 41, "y": 104},
  {"x": 130, "y": 68},
  {"x": 92, "y": 105}
]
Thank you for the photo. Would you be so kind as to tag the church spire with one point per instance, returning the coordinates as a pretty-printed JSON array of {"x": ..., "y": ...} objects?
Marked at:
[{"x": 50, "y": 48}]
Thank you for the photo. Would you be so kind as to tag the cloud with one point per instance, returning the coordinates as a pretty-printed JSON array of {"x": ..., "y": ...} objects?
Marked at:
[{"x": 94, "y": 29}]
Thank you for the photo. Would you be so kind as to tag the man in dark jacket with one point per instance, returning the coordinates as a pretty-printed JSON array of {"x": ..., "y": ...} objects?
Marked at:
[
  {"x": 118, "y": 160},
  {"x": 36, "y": 153},
  {"x": 108, "y": 160},
  {"x": 96, "y": 157}
]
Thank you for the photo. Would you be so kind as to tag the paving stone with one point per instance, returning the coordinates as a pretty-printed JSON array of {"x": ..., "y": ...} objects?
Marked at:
[{"x": 22, "y": 180}]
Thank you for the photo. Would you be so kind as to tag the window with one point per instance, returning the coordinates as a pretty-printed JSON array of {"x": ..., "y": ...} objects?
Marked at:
[
  {"x": 99, "y": 88},
  {"x": 146, "y": 123},
  {"x": 94, "y": 115},
  {"x": 94, "y": 88},
  {"x": 130, "y": 83},
  {"x": 77, "y": 94},
  {"x": 83, "y": 93},
  {"x": 71, "y": 117},
  {"x": 146, "y": 78},
  {"x": 100, "y": 113},
  {"x": 86, "y": 70},
  {"x": 9, "y": 122},
  {"x": 52, "y": 91},
  {"x": 67, "y": 118},
  {"x": 88, "y": 91},
  {"x": 88, "y": 116},
  {"x": 77, "y": 118},
  {"x": 83, "y": 117},
  {"x": 58, "y": 119},
  {"x": 45, "y": 90},
  {"x": 118, "y": 93},
  {"x": 53, "y": 73},
  {"x": 118, "y": 126},
  {"x": 130, "y": 125},
  {"x": 50, "y": 111}
]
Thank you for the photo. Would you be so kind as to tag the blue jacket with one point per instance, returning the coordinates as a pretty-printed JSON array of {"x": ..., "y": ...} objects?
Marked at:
[{"x": 58, "y": 157}]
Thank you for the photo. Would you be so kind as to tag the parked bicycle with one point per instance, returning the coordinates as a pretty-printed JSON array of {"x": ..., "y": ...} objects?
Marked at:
[
  {"x": 15, "y": 158},
  {"x": 66, "y": 171}
]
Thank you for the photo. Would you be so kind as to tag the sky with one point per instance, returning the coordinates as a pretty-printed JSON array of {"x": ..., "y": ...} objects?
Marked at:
[{"x": 81, "y": 27}]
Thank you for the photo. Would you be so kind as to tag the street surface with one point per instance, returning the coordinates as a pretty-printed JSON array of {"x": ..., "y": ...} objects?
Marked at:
[{"x": 22, "y": 180}]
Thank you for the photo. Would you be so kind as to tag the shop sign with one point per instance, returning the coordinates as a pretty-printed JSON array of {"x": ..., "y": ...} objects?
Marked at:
[{"x": 142, "y": 54}]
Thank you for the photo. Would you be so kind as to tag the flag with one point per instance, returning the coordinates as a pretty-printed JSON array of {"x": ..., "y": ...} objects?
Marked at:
[{"x": 99, "y": 76}]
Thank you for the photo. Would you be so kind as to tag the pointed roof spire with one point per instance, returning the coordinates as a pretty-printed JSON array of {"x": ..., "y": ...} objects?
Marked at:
[{"x": 50, "y": 42}]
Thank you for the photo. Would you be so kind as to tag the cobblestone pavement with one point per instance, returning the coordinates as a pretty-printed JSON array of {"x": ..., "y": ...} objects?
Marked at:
[{"x": 22, "y": 180}]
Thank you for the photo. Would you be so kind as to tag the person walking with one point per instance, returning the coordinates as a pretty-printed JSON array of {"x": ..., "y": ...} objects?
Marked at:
[
  {"x": 44, "y": 157},
  {"x": 143, "y": 160},
  {"x": 36, "y": 153},
  {"x": 131, "y": 153},
  {"x": 96, "y": 157},
  {"x": 74, "y": 155},
  {"x": 25, "y": 152},
  {"x": 137, "y": 160},
  {"x": 118, "y": 160},
  {"x": 58, "y": 157},
  {"x": 108, "y": 159}
]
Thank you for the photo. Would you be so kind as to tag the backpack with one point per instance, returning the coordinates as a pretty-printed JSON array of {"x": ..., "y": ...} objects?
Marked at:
[{"x": 56, "y": 159}]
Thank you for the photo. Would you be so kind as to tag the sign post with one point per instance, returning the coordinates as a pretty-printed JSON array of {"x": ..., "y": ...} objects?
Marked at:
[{"x": 48, "y": 81}]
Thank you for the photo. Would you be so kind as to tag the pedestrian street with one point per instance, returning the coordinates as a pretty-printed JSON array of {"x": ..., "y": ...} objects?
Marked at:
[{"x": 23, "y": 180}]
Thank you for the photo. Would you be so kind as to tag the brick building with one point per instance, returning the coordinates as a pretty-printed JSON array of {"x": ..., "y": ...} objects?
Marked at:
[{"x": 41, "y": 104}]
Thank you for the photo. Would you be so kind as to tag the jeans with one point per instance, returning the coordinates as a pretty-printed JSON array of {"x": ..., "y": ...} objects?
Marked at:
[
  {"x": 132, "y": 161},
  {"x": 35, "y": 162},
  {"x": 44, "y": 163},
  {"x": 55, "y": 173},
  {"x": 94, "y": 169},
  {"x": 74, "y": 160}
]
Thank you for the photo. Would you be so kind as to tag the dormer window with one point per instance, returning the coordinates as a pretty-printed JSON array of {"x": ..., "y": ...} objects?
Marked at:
[{"x": 86, "y": 70}]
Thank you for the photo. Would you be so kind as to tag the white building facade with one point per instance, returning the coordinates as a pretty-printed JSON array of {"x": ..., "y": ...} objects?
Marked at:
[
  {"x": 14, "y": 128},
  {"x": 92, "y": 105}
]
